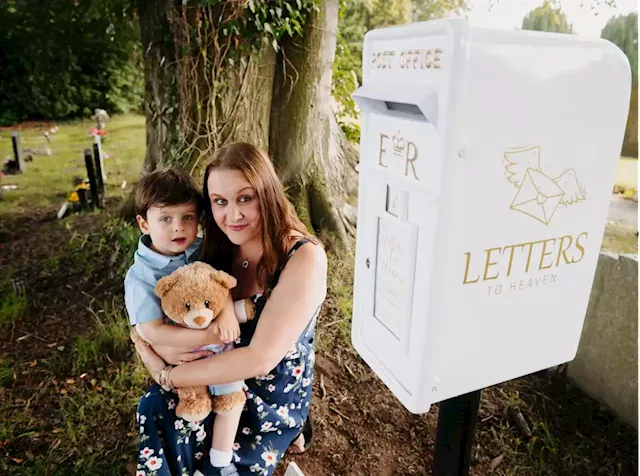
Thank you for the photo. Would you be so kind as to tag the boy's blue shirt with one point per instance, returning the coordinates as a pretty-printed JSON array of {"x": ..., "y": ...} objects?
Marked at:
[{"x": 140, "y": 282}]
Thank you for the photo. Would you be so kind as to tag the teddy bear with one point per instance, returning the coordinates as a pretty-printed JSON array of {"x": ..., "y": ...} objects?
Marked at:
[{"x": 193, "y": 296}]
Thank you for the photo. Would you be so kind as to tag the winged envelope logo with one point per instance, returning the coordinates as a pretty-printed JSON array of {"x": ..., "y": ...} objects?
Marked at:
[{"x": 539, "y": 195}]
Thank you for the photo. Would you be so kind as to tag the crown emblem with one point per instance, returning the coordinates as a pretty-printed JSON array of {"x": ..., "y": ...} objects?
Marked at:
[{"x": 398, "y": 144}]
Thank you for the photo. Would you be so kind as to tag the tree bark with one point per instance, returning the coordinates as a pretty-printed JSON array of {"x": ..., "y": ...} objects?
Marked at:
[
  {"x": 160, "y": 82},
  {"x": 315, "y": 160}
]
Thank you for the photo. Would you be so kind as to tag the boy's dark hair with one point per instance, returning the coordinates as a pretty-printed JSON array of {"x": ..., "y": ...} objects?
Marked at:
[{"x": 166, "y": 187}]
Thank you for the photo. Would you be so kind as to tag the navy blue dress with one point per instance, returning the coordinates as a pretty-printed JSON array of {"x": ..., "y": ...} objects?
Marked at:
[{"x": 277, "y": 407}]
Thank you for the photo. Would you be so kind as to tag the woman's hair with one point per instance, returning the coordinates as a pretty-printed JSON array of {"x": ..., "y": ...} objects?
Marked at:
[{"x": 277, "y": 216}]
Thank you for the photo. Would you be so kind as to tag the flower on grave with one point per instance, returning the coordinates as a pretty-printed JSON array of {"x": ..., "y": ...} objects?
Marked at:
[
  {"x": 154, "y": 463},
  {"x": 146, "y": 453}
]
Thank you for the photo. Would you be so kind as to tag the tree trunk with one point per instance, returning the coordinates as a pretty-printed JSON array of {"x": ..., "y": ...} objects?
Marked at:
[
  {"x": 160, "y": 74},
  {"x": 316, "y": 161},
  {"x": 282, "y": 105}
]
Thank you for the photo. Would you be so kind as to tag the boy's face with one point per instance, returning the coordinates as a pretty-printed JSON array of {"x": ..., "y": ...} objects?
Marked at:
[{"x": 172, "y": 228}]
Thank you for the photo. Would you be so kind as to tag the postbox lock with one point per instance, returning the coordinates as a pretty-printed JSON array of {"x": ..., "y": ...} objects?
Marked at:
[{"x": 368, "y": 262}]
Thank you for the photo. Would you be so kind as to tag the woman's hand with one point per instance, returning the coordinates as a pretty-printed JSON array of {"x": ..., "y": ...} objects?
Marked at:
[
  {"x": 177, "y": 356},
  {"x": 154, "y": 358}
]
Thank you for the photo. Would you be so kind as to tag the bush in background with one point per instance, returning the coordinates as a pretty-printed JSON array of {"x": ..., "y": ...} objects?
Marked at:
[{"x": 61, "y": 59}]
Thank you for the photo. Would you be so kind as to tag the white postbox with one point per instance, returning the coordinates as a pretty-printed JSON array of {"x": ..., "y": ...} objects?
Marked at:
[{"x": 487, "y": 162}]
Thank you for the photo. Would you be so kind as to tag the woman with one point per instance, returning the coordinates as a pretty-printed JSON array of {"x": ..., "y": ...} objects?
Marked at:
[{"x": 252, "y": 232}]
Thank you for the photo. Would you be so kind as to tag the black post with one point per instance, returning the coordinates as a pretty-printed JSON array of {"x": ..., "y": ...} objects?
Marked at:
[
  {"x": 454, "y": 438},
  {"x": 95, "y": 198},
  {"x": 98, "y": 162},
  {"x": 17, "y": 152},
  {"x": 82, "y": 198}
]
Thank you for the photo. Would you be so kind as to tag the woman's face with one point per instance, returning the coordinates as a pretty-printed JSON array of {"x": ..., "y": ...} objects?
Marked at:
[{"x": 234, "y": 204}]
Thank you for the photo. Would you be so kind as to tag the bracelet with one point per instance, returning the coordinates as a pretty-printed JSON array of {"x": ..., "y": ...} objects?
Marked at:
[{"x": 163, "y": 379}]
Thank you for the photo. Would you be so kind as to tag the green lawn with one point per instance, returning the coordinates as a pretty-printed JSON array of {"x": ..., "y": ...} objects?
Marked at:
[{"x": 49, "y": 179}]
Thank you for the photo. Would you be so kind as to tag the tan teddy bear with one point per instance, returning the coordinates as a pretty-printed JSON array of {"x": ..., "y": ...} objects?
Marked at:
[{"x": 193, "y": 296}]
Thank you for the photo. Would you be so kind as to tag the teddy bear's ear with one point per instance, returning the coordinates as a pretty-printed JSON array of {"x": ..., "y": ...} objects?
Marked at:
[
  {"x": 165, "y": 284},
  {"x": 225, "y": 279}
]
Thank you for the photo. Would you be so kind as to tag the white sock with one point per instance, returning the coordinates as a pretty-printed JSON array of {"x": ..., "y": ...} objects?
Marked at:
[{"x": 220, "y": 459}]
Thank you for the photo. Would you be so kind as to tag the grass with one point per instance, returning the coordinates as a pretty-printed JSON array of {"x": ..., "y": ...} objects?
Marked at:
[
  {"x": 11, "y": 307},
  {"x": 48, "y": 179},
  {"x": 109, "y": 337}
]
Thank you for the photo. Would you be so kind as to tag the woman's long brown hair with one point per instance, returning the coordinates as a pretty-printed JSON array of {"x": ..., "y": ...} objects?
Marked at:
[{"x": 277, "y": 215}]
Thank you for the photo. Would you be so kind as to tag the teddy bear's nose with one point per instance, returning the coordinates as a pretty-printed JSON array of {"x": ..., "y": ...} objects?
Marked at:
[{"x": 199, "y": 320}]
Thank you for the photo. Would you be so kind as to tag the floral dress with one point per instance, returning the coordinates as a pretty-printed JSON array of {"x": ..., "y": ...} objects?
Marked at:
[{"x": 277, "y": 407}]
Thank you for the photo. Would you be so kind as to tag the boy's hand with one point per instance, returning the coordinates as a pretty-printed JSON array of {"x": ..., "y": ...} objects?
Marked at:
[{"x": 227, "y": 326}]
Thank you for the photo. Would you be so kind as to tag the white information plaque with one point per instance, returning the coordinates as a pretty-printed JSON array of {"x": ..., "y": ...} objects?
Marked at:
[{"x": 395, "y": 266}]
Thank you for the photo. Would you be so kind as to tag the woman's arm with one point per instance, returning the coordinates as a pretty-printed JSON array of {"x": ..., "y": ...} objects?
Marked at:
[{"x": 300, "y": 290}]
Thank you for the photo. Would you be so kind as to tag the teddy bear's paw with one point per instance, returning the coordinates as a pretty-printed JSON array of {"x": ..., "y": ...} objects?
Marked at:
[
  {"x": 194, "y": 404},
  {"x": 191, "y": 416}
]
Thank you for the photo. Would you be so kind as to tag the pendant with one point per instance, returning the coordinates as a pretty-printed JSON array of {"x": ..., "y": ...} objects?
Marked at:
[{"x": 245, "y": 263}]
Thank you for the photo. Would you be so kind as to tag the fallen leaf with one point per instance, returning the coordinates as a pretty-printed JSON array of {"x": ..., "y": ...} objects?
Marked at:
[
  {"x": 33, "y": 364},
  {"x": 17, "y": 460},
  {"x": 70, "y": 381},
  {"x": 495, "y": 462},
  {"x": 56, "y": 444},
  {"x": 54, "y": 381},
  {"x": 57, "y": 430},
  {"x": 84, "y": 375},
  {"x": 63, "y": 392},
  {"x": 61, "y": 348},
  {"x": 94, "y": 382},
  {"x": 51, "y": 346}
]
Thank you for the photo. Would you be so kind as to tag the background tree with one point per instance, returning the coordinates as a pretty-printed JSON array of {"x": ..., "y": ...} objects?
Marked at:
[
  {"x": 61, "y": 59},
  {"x": 547, "y": 17},
  {"x": 258, "y": 71},
  {"x": 622, "y": 31}
]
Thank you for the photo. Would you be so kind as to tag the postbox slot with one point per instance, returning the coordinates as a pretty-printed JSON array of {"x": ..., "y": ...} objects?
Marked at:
[{"x": 403, "y": 107}]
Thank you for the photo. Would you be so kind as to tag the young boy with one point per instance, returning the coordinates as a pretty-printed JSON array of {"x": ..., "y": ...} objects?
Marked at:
[{"x": 168, "y": 205}]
